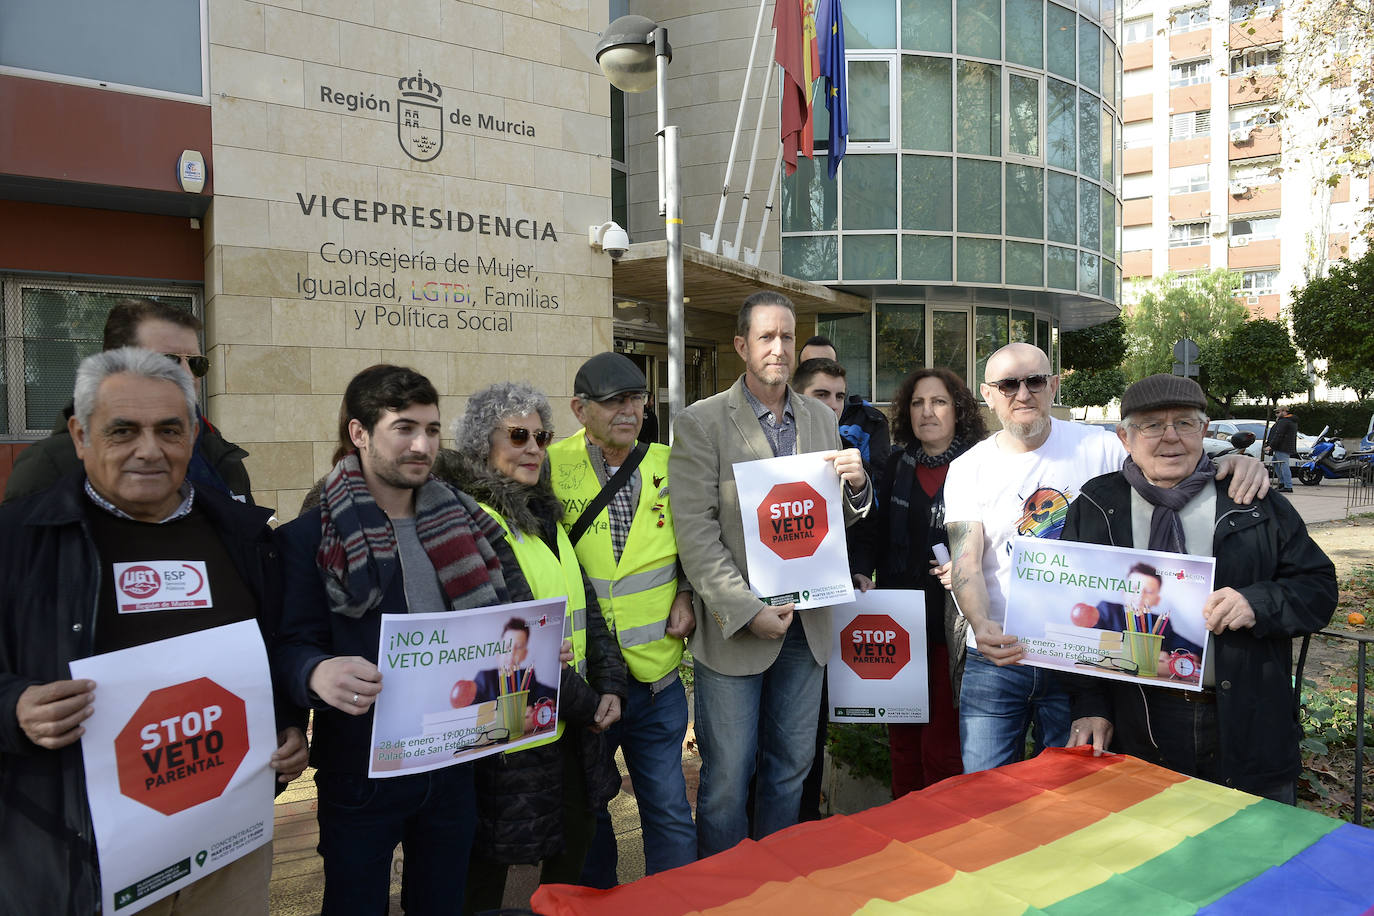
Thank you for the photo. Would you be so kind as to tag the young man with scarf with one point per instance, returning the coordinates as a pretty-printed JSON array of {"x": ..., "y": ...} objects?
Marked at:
[
  {"x": 1272, "y": 582},
  {"x": 386, "y": 537}
]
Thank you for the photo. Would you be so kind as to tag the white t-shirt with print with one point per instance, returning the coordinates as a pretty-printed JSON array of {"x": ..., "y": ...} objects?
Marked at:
[{"x": 1028, "y": 493}]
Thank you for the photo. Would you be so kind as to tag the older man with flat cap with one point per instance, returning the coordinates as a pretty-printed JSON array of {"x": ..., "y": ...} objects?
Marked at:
[
  {"x": 1273, "y": 583},
  {"x": 618, "y": 515}
]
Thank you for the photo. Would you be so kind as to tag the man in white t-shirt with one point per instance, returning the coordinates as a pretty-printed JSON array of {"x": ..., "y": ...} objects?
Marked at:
[{"x": 1020, "y": 481}]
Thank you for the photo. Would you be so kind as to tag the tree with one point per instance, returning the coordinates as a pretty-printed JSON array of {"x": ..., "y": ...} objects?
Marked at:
[
  {"x": 1263, "y": 355},
  {"x": 1092, "y": 387},
  {"x": 1201, "y": 307},
  {"x": 1359, "y": 379},
  {"x": 1102, "y": 346},
  {"x": 1332, "y": 318}
]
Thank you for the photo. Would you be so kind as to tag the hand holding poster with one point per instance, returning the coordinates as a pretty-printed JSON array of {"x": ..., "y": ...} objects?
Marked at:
[
  {"x": 176, "y": 756},
  {"x": 877, "y": 670},
  {"x": 459, "y": 685},
  {"x": 1130, "y": 615},
  {"x": 794, "y": 538}
]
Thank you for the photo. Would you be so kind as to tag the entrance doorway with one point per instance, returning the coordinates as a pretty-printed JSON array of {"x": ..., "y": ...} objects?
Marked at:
[{"x": 699, "y": 377}]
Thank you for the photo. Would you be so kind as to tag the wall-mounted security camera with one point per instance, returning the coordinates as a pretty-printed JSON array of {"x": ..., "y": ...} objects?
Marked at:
[{"x": 610, "y": 238}]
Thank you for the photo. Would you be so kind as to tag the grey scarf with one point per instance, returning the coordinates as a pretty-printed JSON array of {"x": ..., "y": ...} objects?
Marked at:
[{"x": 1166, "y": 529}]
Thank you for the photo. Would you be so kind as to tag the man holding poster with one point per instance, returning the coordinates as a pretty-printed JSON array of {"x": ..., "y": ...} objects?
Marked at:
[
  {"x": 126, "y": 553},
  {"x": 1272, "y": 583},
  {"x": 384, "y": 538},
  {"x": 758, "y": 667}
]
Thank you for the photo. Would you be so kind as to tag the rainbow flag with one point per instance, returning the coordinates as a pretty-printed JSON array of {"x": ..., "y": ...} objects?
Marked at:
[{"x": 1065, "y": 833}]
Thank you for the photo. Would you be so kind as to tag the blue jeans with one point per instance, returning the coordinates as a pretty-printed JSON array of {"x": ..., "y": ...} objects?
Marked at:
[
  {"x": 650, "y": 733},
  {"x": 996, "y": 704},
  {"x": 769, "y": 718},
  {"x": 1285, "y": 472},
  {"x": 432, "y": 815}
]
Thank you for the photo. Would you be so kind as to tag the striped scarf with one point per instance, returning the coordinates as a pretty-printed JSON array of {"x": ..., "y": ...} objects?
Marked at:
[{"x": 357, "y": 554}]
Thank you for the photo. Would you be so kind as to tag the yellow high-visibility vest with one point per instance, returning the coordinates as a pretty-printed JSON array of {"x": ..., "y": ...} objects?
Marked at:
[{"x": 636, "y": 593}]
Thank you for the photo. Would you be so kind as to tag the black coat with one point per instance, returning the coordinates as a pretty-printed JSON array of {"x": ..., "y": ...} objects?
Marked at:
[
  {"x": 1283, "y": 436},
  {"x": 51, "y": 571},
  {"x": 1264, "y": 552},
  {"x": 48, "y": 460}
]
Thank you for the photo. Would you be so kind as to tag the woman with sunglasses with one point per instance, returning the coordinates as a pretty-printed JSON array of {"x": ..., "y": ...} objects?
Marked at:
[
  {"x": 538, "y": 804},
  {"x": 935, "y": 419}
]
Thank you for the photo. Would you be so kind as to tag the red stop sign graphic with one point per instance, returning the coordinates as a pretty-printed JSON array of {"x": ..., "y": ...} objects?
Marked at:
[
  {"x": 182, "y": 746},
  {"x": 875, "y": 646},
  {"x": 792, "y": 520}
]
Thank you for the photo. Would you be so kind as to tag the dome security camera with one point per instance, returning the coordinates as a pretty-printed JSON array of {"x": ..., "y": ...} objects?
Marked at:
[{"x": 610, "y": 238}]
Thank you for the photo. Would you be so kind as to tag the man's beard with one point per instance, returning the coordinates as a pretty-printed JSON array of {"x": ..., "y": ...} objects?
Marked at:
[
  {"x": 1031, "y": 430},
  {"x": 389, "y": 472}
]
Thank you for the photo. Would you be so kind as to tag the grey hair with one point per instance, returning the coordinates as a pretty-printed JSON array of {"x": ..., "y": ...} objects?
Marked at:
[
  {"x": 135, "y": 361},
  {"x": 488, "y": 407}
]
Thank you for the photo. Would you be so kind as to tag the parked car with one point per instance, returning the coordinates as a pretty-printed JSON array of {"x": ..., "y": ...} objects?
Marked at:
[{"x": 1225, "y": 429}]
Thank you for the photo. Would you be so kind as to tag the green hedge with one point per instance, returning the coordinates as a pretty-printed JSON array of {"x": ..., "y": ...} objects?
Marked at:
[{"x": 1350, "y": 418}]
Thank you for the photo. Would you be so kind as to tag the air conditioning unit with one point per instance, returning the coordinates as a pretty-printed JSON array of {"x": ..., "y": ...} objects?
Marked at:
[
  {"x": 1252, "y": 300},
  {"x": 1241, "y": 134},
  {"x": 1240, "y": 241},
  {"x": 1239, "y": 190}
]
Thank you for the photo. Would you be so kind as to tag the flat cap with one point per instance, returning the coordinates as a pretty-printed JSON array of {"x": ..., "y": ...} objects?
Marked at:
[
  {"x": 606, "y": 375},
  {"x": 1158, "y": 391}
]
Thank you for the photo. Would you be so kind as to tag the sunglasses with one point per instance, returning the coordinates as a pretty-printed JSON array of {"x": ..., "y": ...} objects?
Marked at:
[
  {"x": 1009, "y": 387},
  {"x": 199, "y": 365},
  {"x": 519, "y": 435}
]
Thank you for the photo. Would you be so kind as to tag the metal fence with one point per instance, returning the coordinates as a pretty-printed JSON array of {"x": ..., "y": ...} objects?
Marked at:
[
  {"x": 1359, "y": 490},
  {"x": 1362, "y": 642}
]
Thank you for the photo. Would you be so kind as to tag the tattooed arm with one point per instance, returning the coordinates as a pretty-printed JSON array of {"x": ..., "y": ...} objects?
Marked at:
[{"x": 971, "y": 594}]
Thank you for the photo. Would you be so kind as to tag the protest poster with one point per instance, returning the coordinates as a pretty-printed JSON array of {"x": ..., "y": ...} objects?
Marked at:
[
  {"x": 1113, "y": 612},
  {"x": 877, "y": 670},
  {"x": 459, "y": 685},
  {"x": 176, "y": 754},
  {"x": 794, "y": 540}
]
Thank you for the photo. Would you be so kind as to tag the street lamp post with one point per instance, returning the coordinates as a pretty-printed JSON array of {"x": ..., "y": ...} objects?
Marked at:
[{"x": 634, "y": 54}]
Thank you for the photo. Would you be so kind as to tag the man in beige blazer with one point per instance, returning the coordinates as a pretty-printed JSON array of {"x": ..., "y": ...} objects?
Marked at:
[{"x": 758, "y": 668}]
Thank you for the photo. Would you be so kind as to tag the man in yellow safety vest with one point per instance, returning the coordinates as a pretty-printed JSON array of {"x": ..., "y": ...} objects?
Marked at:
[{"x": 616, "y": 509}]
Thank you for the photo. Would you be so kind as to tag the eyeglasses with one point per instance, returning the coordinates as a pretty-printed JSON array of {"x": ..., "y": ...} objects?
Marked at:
[
  {"x": 1189, "y": 426},
  {"x": 519, "y": 435},
  {"x": 199, "y": 365},
  {"x": 633, "y": 397},
  {"x": 1009, "y": 387},
  {"x": 1109, "y": 663}
]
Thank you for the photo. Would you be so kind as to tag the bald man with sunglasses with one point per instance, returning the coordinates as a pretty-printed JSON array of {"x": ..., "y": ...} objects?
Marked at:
[
  {"x": 1020, "y": 481},
  {"x": 164, "y": 328}
]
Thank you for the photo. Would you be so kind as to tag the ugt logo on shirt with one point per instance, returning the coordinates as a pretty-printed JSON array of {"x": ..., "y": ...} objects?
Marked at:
[{"x": 161, "y": 585}]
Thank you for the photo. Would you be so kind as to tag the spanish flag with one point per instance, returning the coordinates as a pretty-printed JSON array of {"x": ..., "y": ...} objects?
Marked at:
[
  {"x": 1064, "y": 834},
  {"x": 796, "y": 53}
]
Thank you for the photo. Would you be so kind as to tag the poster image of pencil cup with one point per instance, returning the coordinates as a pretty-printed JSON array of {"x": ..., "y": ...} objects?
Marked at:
[
  {"x": 511, "y": 708},
  {"x": 1143, "y": 649}
]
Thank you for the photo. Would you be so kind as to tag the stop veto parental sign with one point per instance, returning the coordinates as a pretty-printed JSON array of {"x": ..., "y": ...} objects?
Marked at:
[
  {"x": 793, "y": 520},
  {"x": 875, "y": 647},
  {"x": 182, "y": 746}
]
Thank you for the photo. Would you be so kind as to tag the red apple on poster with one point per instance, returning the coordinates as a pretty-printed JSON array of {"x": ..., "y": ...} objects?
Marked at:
[
  {"x": 1083, "y": 615},
  {"x": 462, "y": 694}
]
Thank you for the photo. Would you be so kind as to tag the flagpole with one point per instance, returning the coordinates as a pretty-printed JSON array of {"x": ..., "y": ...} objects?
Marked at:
[
  {"x": 732, "y": 250},
  {"x": 753, "y": 257},
  {"x": 711, "y": 243}
]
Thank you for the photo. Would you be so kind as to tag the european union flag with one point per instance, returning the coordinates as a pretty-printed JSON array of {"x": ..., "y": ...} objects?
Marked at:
[{"x": 830, "y": 41}]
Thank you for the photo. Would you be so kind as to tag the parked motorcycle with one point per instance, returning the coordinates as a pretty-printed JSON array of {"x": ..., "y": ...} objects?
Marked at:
[{"x": 1325, "y": 463}]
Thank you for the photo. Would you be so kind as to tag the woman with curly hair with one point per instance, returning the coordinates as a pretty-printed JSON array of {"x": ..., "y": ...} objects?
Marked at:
[
  {"x": 935, "y": 419},
  {"x": 538, "y": 803}
]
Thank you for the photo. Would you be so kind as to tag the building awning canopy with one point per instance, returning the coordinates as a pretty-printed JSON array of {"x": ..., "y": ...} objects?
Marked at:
[{"x": 715, "y": 283}]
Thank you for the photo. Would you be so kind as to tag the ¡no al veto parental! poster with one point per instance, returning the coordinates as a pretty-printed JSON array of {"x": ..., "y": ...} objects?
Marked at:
[
  {"x": 1129, "y": 615},
  {"x": 459, "y": 685}
]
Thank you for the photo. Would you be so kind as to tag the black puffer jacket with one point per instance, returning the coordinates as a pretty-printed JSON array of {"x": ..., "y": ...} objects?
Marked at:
[
  {"x": 520, "y": 794},
  {"x": 1264, "y": 552}
]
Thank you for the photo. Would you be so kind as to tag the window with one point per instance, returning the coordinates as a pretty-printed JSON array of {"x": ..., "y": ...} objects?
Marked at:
[
  {"x": 1255, "y": 228},
  {"x": 979, "y": 109},
  {"x": 1023, "y": 115},
  {"x": 1138, "y": 82},
  {"x": 1254, "y": 173},
  {"x": 1138, "y": 30},
  {"x": 900, "y": 343},
  {"x": 1189, "y": 19},
  {"x": 1250, "y": 117},
  {"x": 1136, "y": 238},
  {"x": 153, "y": 47},
  {"x": 1189, "y": 178},
  {"x": 49, "y": 328},
  {"x": 1254, "y": 60},
  {"x": 1190, "y": 124},
  {"x": 1188, "y": 73},
  {"x": 1188, "y": 235},
  {"x": 1134, "y": 187},
  {"x": 1258, "y": 282},
  {"x": 870, "y": 101},
  {"x": 1242, "y": 10},
  {"x": 1137, "y": 135}
]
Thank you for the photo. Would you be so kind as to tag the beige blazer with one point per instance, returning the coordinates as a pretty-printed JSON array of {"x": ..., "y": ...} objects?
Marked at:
[{"x": 708, "y": 438}]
